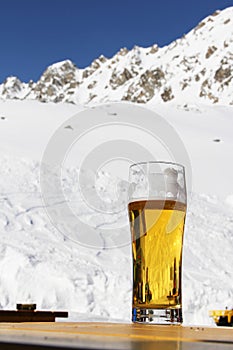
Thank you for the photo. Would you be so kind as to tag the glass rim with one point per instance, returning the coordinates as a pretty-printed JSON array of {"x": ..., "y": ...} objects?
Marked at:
[{"x": 158, "y": 162}]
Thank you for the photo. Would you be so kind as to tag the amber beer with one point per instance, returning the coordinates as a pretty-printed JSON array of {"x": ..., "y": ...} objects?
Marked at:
[{"x": 157, "y": 228}]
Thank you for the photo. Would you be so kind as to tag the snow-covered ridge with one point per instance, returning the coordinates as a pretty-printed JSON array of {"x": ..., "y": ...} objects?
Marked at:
[{"x": 196, "y": 67}]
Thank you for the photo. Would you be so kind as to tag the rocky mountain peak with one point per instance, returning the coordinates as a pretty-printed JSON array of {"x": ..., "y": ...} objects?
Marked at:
[
  {"x": 57, "y": 83},
  {"x": 13, "y": 88},
  {"x": 195, "y": 67}
]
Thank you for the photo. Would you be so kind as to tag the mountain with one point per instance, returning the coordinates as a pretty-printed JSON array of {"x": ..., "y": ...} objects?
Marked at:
[
  {"x": 189, "y": 84},
  {"x": 196, "y": 67}
]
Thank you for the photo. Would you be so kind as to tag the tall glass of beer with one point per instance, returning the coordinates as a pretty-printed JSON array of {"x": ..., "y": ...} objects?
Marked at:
[{"x": 157, "y": 209}]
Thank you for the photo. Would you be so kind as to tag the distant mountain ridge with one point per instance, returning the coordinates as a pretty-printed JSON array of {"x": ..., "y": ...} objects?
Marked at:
[{"x": 195, "y": 68}]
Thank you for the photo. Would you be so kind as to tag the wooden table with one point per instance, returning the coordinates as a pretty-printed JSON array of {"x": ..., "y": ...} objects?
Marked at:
[{"x": 59, "y": 335}]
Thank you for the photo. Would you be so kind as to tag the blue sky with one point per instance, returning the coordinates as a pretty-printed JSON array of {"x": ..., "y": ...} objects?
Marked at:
[{"x": 37, "y": 33}]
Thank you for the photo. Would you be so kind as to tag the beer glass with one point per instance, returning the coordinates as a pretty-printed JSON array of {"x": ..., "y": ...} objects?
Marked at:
[{"x": 157, "y": 209}]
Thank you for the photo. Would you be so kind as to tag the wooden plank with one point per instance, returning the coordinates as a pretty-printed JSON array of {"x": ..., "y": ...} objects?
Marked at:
[
  {"x": 30, "y": 315},
  {"x": 117, "y": 336}
]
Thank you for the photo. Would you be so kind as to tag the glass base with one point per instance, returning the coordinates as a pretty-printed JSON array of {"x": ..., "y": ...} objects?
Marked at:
[{"x": 157, "y": 316}]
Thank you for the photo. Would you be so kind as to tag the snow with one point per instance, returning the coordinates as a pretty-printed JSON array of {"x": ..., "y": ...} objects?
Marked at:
[
  {"x": 199, "y": 125},
  {"x": 229, "y": 200},
  {"x": 40, "y": 264}
]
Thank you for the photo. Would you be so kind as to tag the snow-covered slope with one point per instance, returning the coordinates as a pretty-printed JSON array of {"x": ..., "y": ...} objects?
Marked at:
[
  {"x": 40, "y": 264},
  {"x": 194, "y": 68}
]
